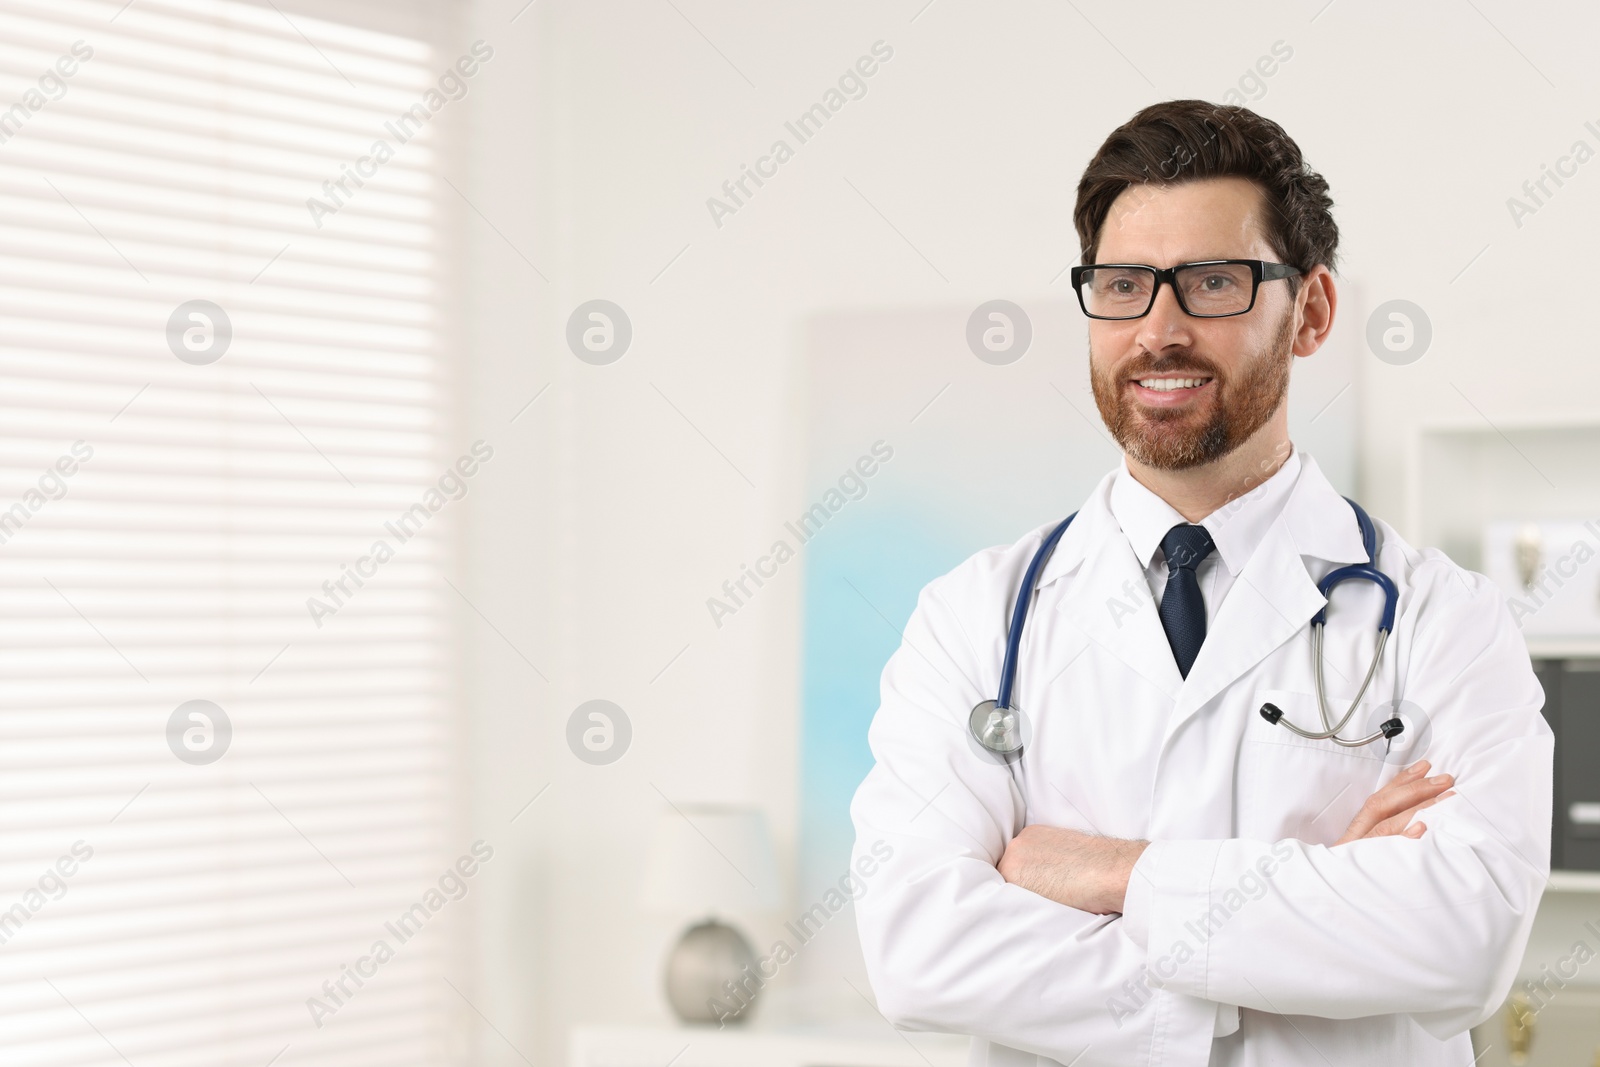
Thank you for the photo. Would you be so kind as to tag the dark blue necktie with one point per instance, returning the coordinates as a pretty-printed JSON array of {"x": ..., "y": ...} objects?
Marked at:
[{"x": 1183, "y": 611}]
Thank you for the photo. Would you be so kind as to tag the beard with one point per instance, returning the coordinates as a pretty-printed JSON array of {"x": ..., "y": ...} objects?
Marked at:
[{"x": 1178, "y": 439}]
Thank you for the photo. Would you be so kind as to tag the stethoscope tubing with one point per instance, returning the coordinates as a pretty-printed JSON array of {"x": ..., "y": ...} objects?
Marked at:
[
  {"x": 1003, "y": 738},
  {"x": 1019, "y": 614}
]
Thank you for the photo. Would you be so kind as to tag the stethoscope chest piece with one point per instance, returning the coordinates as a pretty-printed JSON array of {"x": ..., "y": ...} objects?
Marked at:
[
  {"x": 997, "y": 727},
  {"x": 998, "y": 731}
]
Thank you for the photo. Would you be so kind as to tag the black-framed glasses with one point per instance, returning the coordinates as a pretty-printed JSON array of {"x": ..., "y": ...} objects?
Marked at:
[{"x": 1211, "y": 289}]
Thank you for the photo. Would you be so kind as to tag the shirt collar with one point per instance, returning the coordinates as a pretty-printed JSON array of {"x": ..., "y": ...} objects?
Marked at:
[
  {"x": 1236, "y": 527},
  {"x": 1314, "y": 517}
]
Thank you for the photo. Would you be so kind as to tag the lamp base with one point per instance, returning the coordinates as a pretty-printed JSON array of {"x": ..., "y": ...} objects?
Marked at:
[{"x": 707, "y": 975}]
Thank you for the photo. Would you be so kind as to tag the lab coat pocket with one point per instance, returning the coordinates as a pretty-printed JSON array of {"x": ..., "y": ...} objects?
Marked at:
[{"x": 1293, "y": 787}]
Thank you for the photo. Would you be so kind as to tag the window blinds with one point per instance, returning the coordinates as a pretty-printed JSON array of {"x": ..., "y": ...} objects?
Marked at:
[{"x": 215, "y": 402}]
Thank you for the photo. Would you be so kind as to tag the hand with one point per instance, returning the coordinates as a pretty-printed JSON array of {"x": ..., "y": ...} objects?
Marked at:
[
  {"x": 1084, "y": 871},
  {"x": 1388, "y": 812}
]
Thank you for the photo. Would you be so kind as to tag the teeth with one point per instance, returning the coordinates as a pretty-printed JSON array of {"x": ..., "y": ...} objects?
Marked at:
[{"x": 1166, "y": 385}]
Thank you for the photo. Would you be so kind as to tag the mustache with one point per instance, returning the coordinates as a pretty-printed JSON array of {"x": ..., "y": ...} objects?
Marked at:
[{"x": 1187, "y": 364}]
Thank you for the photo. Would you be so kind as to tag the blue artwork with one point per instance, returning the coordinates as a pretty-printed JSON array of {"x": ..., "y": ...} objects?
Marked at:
[{"x": 921, "y": 453}]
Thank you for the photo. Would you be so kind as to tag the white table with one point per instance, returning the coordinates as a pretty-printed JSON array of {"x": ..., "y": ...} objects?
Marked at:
[{"x": 755, "y": 1046}]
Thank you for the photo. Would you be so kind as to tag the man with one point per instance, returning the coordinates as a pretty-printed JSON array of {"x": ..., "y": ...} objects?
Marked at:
[{"x": 1166, "y": 876}]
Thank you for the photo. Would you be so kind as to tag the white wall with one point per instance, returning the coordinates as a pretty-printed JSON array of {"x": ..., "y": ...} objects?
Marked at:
[{"x": 599, "y": 131}]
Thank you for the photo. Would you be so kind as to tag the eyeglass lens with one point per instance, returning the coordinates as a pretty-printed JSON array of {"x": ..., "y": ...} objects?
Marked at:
[{"x": 1126, "y": 292}]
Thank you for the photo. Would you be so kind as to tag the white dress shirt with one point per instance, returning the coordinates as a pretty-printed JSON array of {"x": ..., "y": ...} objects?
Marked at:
[{"x": 1236, "y": 528}]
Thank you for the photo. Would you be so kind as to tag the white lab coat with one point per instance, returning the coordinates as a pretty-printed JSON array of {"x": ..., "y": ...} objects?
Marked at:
[{"x": 1247, "y": 940}]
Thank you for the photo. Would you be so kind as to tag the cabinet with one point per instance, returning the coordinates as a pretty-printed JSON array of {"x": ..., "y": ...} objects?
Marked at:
[
  {"x": 1572, "y": 708},
  {"x": 1562, "y": 1034}
]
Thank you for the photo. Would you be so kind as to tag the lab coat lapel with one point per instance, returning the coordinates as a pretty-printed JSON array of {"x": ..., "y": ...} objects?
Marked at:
[
  {"x": 1110, "y": 601},
  {"x": 1270, "y": 602}
]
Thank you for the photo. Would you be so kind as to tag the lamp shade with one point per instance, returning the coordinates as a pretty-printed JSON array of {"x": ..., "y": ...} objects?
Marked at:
[{"x": 710, "y": 858}]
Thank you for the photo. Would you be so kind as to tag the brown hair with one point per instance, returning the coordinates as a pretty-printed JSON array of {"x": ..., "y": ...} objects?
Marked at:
[{"x": 1180, "y": 141}]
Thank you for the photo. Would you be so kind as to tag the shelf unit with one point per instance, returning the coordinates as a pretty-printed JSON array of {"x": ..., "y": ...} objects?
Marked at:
[
  {"x": 1465, "y": 473},
  {"x": 1574, "y": 882}
]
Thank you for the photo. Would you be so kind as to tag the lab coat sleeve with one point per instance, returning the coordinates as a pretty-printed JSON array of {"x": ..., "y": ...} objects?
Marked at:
[
  {"x": 950, "y": 945},
  {"x": 1435, "y": 927}
]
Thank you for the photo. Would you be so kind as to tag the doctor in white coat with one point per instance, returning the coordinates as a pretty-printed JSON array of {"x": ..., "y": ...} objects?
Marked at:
[{"x": 1166, "y": 877}]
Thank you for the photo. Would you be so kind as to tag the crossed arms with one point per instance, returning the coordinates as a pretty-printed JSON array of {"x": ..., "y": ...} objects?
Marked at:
[
  {"x": 1091, "y": 872},
  {"x": 1016, "y": 937}
]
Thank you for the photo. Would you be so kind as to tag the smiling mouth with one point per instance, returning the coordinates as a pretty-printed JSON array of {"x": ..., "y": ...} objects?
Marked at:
[{"x": 1167, "y": 384}]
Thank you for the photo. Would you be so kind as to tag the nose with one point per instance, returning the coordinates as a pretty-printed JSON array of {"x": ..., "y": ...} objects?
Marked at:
[{"x": 1166, "y": 324}]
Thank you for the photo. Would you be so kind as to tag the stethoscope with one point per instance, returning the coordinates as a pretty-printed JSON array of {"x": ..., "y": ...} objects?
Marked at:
[{"x": 998, "y": 727}]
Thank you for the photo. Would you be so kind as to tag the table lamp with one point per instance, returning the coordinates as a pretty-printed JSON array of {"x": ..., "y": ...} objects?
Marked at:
[{"x": 704, "y": 860}]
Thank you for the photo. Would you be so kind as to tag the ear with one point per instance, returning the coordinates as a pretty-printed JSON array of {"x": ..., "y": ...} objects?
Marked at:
[{"x": 1314, "y": 310}]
